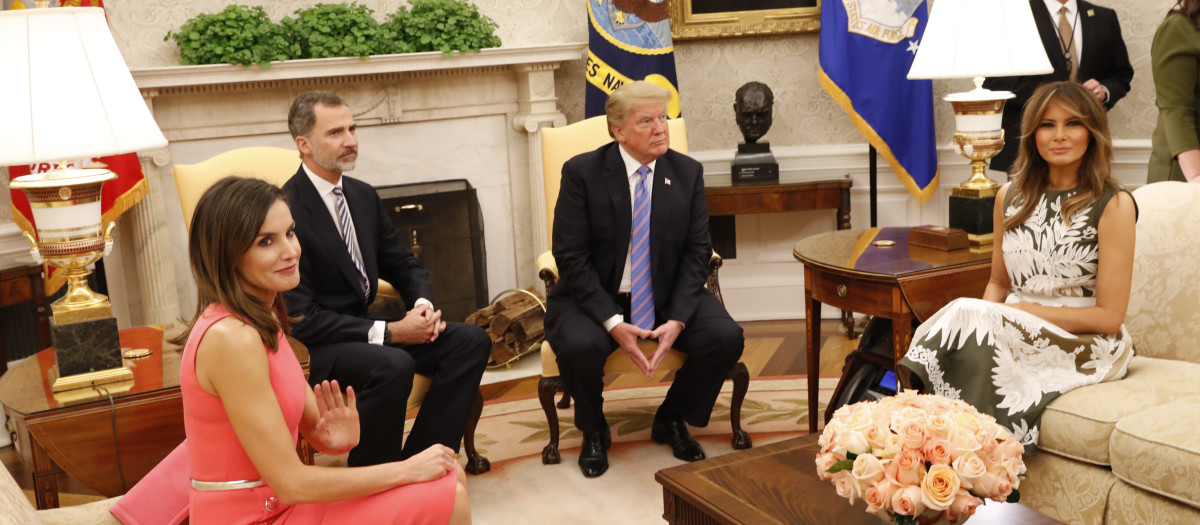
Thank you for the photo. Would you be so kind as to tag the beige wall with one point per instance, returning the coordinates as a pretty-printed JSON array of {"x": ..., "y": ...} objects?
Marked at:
[{"x": 709, "y": 70}]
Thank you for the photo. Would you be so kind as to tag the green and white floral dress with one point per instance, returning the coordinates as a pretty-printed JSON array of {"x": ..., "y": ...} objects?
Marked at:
[{"x": 1009, "y": 363}]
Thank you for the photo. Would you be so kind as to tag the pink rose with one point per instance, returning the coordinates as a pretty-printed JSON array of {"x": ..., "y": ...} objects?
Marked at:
[
  {"x": 969, "y": 467},
  {"x": 867, "y": 470},
  {"x": 939, "y": 487},
  {"x": 993, "y": 486},
  {"x": 846, "y": 486},
  {"x": 877, "y": 437},
  {"x": 893, "y": 446},
  {"x": 914, "y": 434},
  {"x": 907, "y": 501},
  {"x": 964, "y": 505},
  {"x": 938, "y": 451},
  {"x": 824, "y": 463},
  {"x": 1014, "y": 467},
  {"x": 963, "y": 441},
  {"x": 907, "y": 468},
  {"x": 879, "y": 496}
]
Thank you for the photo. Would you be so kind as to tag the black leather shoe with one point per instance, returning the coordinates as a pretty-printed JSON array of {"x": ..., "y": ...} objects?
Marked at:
[
  {"x": 593, "y": 458},
  {"x": 674, "y": 433}
]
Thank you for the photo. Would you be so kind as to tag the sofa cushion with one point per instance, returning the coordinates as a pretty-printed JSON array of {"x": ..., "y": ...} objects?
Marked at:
[
  {"x": 1159, "y": 450},
  {"x": 1129, "y": 505},
  {"x": 1066, "y": 490},
  {"x": 1078, "y": 424}
]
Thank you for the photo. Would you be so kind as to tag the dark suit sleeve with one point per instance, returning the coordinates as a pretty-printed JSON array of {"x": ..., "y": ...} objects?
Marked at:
[
  {"x": 1120, "y": 72},
  {"x": 397, "y": 265},
  {"x": 697, "y": 250},
  {"x": 573, "y": 248},
  {"x": 319, "y": 325}
]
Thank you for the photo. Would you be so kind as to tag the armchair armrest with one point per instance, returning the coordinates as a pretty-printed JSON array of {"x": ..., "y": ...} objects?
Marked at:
[{"x": 548, "y": 271}]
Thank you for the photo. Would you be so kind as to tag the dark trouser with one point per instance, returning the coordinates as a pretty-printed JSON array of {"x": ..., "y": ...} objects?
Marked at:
[
  {"x": 712, "y": 341},
  {"x": 382, "y": 377}
]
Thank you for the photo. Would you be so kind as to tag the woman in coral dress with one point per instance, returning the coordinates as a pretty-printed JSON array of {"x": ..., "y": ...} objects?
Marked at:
[
  {"x": 246, "y": 400},
  {"x": 1062, "y": 260}
]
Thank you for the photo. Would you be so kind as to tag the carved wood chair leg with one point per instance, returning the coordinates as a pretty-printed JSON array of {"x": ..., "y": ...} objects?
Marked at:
[
  {"x": 476, "y": 464},
  {"x": 741, "y": 384},
  {"x": 565, "y": 402},
  {"x": 547, "y": 387}
]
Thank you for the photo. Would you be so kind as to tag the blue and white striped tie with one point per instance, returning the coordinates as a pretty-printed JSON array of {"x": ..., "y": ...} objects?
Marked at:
[
  {"x": 642, "y": 296},
  {"x": 347, "y": 230}
]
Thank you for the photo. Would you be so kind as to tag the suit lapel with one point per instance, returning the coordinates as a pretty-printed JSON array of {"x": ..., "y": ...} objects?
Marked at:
[
  {"x": 364, "y": 226},
  {"x": 1045, "y": 24},
  {"x": 1089, "y": 40},
  {"x": 324, "y": 230},
  {"x": 660, "y": 206},
  {"x": 617, "y": 182}
]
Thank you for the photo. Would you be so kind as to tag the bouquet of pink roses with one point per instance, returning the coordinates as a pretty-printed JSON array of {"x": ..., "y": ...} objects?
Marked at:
[{"x": 919, "y": 458}]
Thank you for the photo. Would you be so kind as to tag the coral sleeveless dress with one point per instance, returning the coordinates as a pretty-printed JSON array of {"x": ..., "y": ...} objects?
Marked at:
[{"x": 217, "y": 455}]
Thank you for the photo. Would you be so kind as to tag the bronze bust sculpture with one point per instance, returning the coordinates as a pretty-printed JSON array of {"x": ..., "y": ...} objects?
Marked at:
[{"x": 753, "y": 104}]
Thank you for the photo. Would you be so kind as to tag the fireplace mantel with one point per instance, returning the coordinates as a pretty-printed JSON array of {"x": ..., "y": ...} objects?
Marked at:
[{"x": 421, "y": 117}]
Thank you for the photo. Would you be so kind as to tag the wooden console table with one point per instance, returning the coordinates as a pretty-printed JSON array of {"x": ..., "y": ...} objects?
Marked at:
[
  {"x": 725, "y": 199},
  {"x": 778, "y": 483},
  {"x": 848, "y": 270},
  {"x": 77, "y": 437}
]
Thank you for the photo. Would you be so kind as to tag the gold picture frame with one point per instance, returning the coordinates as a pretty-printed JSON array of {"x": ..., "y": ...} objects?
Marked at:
[{"x": 696, "y": 19}]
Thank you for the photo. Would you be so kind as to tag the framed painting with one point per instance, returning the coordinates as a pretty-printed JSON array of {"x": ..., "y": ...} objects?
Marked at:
[{"x": 693, "y": 19}]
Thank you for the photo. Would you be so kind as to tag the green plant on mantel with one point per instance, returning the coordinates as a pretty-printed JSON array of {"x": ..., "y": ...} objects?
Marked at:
[
  {"x": 237, "y": 35},
  {"x": 334, "y": 30},
  {"x": 244, "y": 35},
  {"x": 444, "y": 25}
]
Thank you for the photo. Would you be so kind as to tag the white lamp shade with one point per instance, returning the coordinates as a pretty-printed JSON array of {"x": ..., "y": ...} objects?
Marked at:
[
  {"x": 68, "y": 92},
  {"x": 980, "y": 38}
]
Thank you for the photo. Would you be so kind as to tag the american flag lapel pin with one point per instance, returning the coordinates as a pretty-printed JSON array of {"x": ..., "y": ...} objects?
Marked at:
[
  {"x": 1091, "y": 12},
  {"x": 667, "y": 182}
]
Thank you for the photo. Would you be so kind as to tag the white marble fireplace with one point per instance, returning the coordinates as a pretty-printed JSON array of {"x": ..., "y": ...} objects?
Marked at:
[{"x": 421, "y": 117}]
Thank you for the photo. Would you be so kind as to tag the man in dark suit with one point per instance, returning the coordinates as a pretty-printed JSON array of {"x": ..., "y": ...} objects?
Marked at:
[
  {"x": 631, "y": 243},
  {"x": 347, "y": 243},
  {"x": 1088, "y": 50}
]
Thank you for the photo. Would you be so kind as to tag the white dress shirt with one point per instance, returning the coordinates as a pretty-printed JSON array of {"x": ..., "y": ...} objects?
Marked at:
[{"x": 631, "y": 167}]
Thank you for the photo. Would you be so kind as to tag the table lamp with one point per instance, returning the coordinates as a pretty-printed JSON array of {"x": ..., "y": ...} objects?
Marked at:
[
  {"x": 69, "y": 95},
  {"x": 977, "y": 39}
]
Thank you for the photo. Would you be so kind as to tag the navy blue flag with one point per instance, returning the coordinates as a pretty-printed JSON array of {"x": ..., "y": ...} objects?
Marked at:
[
  {"x": 867, "y": 47},
  {"x": 624, "y": 46}
]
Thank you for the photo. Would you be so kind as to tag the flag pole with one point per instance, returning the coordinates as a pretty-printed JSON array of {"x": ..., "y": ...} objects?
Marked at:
[{"x": 874, "y": 172}]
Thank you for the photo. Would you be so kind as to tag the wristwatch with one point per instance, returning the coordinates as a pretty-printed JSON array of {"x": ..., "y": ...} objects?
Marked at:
[{"x": 387, "y": 334}]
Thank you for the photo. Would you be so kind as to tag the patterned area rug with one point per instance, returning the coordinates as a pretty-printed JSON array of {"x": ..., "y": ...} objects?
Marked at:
[
  {"x": 519, "y": 489},
  {"x": 513, "y": 429}
]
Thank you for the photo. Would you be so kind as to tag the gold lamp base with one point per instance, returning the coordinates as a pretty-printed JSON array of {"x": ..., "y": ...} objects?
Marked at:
[{"x": 91, "y": 379}]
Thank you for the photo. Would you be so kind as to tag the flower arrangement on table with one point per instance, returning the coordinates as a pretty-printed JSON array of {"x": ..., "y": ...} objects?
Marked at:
[{"x": 919, "y": 458}]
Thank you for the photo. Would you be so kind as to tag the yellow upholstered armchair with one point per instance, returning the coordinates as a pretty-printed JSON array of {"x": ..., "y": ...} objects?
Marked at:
[
  {"x": 277, "y": 165},
  {"x": 558, "y": 146}
]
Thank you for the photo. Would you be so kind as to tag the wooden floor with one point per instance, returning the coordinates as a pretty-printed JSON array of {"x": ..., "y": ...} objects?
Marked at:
[{"x": 773, "y": 349}]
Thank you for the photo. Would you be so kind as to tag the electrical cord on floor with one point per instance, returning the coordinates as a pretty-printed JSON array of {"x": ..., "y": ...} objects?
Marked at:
[{"x": 112, "y": 409}]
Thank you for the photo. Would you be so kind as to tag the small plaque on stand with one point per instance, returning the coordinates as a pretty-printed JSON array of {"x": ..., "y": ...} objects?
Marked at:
[
  {"x": 938, "y": 237},
  {"x": 755, "y": 164}
]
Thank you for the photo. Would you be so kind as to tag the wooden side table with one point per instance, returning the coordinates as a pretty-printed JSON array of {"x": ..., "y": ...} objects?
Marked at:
[
  {"x": 78, "y": 437},
  {"x": 25, "y": 285},
  {"x": 852, "y": 271},
  {"x": 778, "y": 483}
]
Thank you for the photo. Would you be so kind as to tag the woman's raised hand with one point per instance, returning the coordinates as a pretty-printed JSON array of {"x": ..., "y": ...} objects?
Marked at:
[{"x": 337, "y": 424}]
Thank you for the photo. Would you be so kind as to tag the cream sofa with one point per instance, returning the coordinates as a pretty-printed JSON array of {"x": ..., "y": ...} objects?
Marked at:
[
  {"x": 15, "y": 508},
  {"x": 1128, "y": 452}
]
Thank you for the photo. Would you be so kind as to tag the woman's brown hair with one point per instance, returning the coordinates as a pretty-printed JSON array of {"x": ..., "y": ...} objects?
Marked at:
[
  {"x": 224, "y": 226},
  {"x": 1190, "y": 9},
  {"x": 1031, "y": 173}
]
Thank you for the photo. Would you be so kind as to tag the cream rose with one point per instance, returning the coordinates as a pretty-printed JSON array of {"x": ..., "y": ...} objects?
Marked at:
[
  {"x": 877, "y": 437},
  {"x": 938, "y": 451},
  {"x": 879, "y": 496},
  {"x": 907, "y": 468},
  {"x": 846, "y": 486},
  {"x": 913, "y": 433},
  {"x": 970, "y": 467},
  {"x": 967, "y": 420},
  {"x": 939, "y": 487},
  {"x": 963, "y": 441},
  {"x": 964, "y": 505},
  {"x": 854, "y": 442},
  {"x": 824, "y": 463},
  {"x": 893, "y": 446},
  {"x": 939, "y": 425},
  {"x": 860, "y": 418},
  {"x": 907, "y": 501},
  {"x": 867, "y": 470},
  {"x": 991, "y": 485}
]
